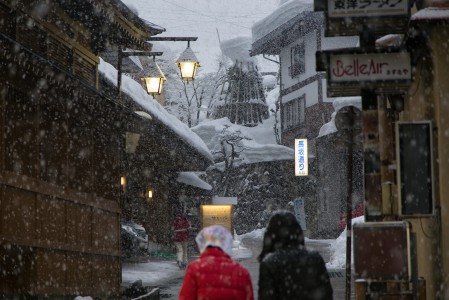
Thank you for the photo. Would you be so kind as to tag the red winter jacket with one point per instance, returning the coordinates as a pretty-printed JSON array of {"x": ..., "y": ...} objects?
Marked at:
[
  {"x": 216, "y": 276},
  {"x": 181, "y": 228}
]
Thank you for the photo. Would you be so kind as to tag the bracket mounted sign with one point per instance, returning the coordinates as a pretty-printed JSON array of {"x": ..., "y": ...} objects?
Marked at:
[
  {"x": 350, "y": 17},
  {"x": 350, "y": 70}
]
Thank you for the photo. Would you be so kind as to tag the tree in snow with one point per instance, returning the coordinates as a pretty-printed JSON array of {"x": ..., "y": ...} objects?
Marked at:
[{"x": 229, "y": 148}]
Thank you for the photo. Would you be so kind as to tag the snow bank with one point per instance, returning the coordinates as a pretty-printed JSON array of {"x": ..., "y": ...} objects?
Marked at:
[
  {"x": 140, "y": 96},
  {"x": 256, "y": 234},
  {"x": 280, "y": 16},
  {"x": 238, "y": 49},
  {"x": 339, "y": 103},
  {"x": 338, "y": 248}
]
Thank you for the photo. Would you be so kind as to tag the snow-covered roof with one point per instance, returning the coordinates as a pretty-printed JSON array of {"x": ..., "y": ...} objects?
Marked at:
[
  {"x": 280, "y": 16},
  {"x": 154, "y": 109},
  {"x": 261, "y": 146},
  {"x": 269, "y": 33},
  {"x": 338, "y": 104},
  {"x": 237, "y": 49},
  {"x": 191, "y": 178},
  {"x": 156, "y": 29},
  {"x": 431, "y": 14}
]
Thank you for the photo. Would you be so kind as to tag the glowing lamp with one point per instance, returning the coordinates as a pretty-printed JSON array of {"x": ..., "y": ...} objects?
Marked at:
[
  {"x": 187, "y": 64},
  {"x": 154, "y": 79}
]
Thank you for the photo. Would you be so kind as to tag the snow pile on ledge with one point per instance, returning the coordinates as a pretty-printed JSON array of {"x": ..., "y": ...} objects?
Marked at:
[
  {"x": 238, "y": 49},
  {"x": 338, "y": 248},
  {"x": 339, "y": 103},
  {"x": 280, "y": 16},
  {"x": 140, "y": 96}
]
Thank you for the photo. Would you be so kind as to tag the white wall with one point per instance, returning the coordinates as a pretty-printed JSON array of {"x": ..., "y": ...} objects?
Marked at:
[{"x": 310, "y": 91}]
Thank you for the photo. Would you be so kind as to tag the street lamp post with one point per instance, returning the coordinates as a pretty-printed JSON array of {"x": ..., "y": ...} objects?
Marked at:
[{"x": 154, "y": 78}]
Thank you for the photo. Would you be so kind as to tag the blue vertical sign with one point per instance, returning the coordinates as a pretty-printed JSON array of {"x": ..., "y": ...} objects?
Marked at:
[
  {"x": 300, "y": 212},
  {"x": 301, "y": 158}
]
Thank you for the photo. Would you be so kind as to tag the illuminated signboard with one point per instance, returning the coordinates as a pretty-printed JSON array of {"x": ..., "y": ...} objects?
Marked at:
[
  {"x": 370, "y": 66},
  {"x": 217, "y": 215},
  {"x": 301, "y": 159},
  {"x": 352, "y": 69}
]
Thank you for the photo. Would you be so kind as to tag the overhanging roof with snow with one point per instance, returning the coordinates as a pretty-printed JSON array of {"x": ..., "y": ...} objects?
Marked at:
[
  {"x": 192, "y": 179},
  {"x": 289, "y": 22},
  {"x": 177, "y": 135},
  {"x": 117, "y": 24}
]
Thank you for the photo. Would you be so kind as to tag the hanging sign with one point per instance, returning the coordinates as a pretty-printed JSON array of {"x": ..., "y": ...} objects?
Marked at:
[
  {"x": 351, "y": 17},
  {"x": 369, "y": 66},
  {"x": 301, "y": 159},
  {"x": 350, "y": 70},
  {"x": 366, "y": 8}
]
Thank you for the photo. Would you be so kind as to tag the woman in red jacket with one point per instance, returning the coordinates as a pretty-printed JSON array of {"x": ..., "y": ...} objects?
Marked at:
[{"x": 215, "y": 275}]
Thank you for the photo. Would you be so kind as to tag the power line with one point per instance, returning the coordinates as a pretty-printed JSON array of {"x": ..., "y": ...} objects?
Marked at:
[{"x": 205, "y": 15}]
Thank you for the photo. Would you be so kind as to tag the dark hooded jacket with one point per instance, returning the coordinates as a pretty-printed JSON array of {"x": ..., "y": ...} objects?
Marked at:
[{"x": 287, "y": 269}]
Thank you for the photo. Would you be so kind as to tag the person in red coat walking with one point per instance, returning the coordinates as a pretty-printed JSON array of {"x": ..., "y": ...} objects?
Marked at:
[
  {"x": 215, "y": 275},
  {"x": 181, "y": 237}
]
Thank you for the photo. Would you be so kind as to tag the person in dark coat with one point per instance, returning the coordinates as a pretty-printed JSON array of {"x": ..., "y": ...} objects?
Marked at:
[
  {"x": 215, "y": 275},
  {"x": 287, "y": 269}
]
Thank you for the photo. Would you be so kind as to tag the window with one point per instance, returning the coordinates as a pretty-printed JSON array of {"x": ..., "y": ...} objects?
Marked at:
[
  {"x": 298, "y": 65},
  {"x": 293, "y": 113}
]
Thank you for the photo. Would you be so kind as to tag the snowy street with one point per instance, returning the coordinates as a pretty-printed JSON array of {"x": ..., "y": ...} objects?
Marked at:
[{"x": 165, "y": 274}]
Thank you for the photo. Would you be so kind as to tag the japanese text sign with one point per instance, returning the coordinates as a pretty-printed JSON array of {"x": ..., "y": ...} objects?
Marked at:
[
  {"x": 367, "y": 8},
  {"x": 301, "y": 158}
]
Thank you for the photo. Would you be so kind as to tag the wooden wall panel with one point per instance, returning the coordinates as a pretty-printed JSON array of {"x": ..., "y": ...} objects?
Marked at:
[
  {"x": 51, "y": 272},
  {"x": 19, "y": 214},
  {"x": 107, "y": 274},
  {"x": 106, "y": 156},
  {"x": 79, "y": 227},
  {"x": 79, "y": 274},
  {"x": 53, "y": 142},
  {"x": 18, "y": 272},
  {"x": 20, "y": 133},
  {"x": 80, "y": 149},
  {"x": 51, "y": 219},
  {"x": 105, "y": 230}
]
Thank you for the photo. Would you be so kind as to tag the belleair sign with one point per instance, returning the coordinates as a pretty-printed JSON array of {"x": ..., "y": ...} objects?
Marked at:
[{"x": 350, "y": 70}]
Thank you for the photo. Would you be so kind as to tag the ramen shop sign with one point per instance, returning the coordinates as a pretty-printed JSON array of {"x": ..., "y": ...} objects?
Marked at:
[{"x": 369, "y": 67}]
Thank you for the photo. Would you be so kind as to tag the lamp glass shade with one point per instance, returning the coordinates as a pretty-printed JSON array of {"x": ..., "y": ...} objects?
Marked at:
[
  {"x": 154, "y": 79},
  {"x": 150, "y": 194},
  {"x": 188, "y": 69},
  {"x": 187, "y": 64},
  {"x": 154, "y": 85}
]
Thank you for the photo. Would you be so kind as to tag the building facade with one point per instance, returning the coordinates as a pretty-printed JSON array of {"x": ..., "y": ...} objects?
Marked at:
[{"x": 63, "y": 147}]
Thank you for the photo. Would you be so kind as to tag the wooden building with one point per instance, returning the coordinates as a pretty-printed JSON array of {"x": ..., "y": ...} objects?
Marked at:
[{"x": 63, "y": 147}]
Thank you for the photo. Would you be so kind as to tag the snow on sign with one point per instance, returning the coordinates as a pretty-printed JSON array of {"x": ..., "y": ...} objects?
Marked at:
[
  {"x": 301, "y": 159},
  {"x": 370, "y": 66}
]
